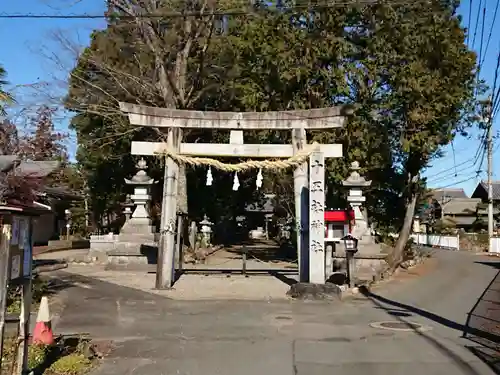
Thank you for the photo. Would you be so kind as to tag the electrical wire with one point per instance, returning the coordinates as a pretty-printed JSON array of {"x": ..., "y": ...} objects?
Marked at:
[
  {"x": 235, "y": 12},
  {"x": 454, "y": 156},
  {"x": 480, "y": 154},
  {"x": 447, "y": 176},
  {"x": 491, "y": 31},
  {"x": 495, "y": 99},
  {"x": 482, "y": 40},
  {"x": 469, "y": 23},
  {"x": 476, "y": 175},
  {"x": 465, "y": 162},
  {"x": 477, "y": 23}
]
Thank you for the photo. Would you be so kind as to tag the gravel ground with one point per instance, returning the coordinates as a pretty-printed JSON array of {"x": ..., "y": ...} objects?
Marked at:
[{"x": 193, "y": 287}]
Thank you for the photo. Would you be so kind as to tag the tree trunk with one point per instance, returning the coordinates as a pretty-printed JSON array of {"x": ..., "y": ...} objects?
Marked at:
[{"x": 397, "y": 253}]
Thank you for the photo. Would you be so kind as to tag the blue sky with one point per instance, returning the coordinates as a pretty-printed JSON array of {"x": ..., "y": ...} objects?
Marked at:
[{"x": 33, "y": 55}]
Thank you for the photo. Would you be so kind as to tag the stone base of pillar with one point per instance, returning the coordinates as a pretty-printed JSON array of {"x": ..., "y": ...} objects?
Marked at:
[
  {"x": 365, "y": 266},
  {"x": 312, "y": 291},
  {"x": 132, "y": 255}
]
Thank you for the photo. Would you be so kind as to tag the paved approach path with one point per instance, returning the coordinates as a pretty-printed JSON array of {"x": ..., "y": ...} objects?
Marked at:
[{"x": 155, "y": 335}]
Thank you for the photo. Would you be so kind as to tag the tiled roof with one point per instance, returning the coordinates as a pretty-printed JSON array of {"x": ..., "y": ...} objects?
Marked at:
[
  {"x": 28, "y": 168},
  {"x": 445, "y": 194},
  {"x": 461, "y": 220},
  {"x": 461, "y": 206},
  {"x": 496, "y": 188},
  {"x": 25, "y": 169}
]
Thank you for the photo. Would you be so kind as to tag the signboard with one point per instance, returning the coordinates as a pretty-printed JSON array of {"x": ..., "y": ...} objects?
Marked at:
[
  {"x": 27, "y": 245},
  {"x": 15, "y": 231},
  {"x": 20, "y": 251},
  {"x": 15, "y": 267}
]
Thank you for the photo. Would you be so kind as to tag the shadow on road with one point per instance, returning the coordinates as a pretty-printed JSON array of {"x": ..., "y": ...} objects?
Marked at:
[
  {"x": 379, "y": 302},
  {"x": 481, "y": 327},
  {"x": 483, "y": 320},
  {"x": 426, "y": 314}
]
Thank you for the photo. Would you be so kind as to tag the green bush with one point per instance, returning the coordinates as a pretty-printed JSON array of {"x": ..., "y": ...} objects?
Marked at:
[
  {"x": 72, "y": 364},
  {"x": 37, "y": 354}
]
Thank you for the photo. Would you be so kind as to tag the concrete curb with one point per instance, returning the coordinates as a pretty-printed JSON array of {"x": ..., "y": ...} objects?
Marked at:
[
  {"x": 486, "y": 253},
  {"x": 49, "y": 267}
]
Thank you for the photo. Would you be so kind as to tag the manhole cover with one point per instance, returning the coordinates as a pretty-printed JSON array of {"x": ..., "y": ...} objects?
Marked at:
[{"x": 400, "y": 326}]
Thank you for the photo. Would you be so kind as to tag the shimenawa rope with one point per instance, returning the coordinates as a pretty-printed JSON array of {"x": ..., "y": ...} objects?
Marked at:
[{"x": 291, "y": 162}]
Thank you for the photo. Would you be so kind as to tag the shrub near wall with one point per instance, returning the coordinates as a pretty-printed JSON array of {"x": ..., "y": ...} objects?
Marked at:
[{"x": 475, "y": 242}]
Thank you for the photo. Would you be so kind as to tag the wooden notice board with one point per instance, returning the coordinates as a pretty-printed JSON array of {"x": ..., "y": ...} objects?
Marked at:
[{"x": 20, "y": 248}]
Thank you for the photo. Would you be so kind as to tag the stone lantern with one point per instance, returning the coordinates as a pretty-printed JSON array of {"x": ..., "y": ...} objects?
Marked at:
[
  {"x": 206, "y": 231},
  {"x": 127, "y": 210},
  {"x": 356, "y": 184},
  {"x": 139, "y": 225},
  {"x": 136, "y": 242}
]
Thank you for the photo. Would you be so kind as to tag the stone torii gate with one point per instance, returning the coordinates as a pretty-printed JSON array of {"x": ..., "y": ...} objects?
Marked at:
[{"x": 309, "y": 197}]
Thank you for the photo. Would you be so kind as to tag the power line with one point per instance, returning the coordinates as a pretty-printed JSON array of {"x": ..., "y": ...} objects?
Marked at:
[
  {"x": 482, "y": 38},
  {"x": 476, "y": 175},
  {"x": 451, "y": 175},
  {"x": 495, "y": 99},
  {"x": 235, "y": 12},
  {"x": 469, "y": 23},
  {"x": 479, "y": 156},
  {"x": 477, "y": 23},
  {"x": 491, "y": 31},
  {"x": 440, "y": 174}
]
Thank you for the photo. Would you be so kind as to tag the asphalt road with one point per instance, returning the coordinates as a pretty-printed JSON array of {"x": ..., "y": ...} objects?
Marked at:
[{"x": 154, "y": 335}]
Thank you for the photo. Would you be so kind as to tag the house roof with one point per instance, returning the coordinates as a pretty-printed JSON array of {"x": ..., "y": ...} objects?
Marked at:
[
  {"x": 461, "y": 220},
  {"x": 35, "y": 169},
  {"x": 484, "y": 186},
  {"x": 461, "y": 206},
  {"x": 24, "y": 169},
  {"x": 15, "y": 206},
  {"x": 482, "y": 209},
  {"x": 443, "y": 195}
]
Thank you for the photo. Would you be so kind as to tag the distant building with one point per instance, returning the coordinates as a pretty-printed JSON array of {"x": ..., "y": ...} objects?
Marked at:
[
  {"x": 52, "y": 224},
  {"x": 444, "y": 195},
  {"x": 50, "y": 202},
  {"x": 452, "y": 208},
  {"x": 481, "y": 192}
]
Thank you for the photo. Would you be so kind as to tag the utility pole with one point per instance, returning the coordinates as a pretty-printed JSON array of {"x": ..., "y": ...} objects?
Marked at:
[{"x": 489, "y": 146}]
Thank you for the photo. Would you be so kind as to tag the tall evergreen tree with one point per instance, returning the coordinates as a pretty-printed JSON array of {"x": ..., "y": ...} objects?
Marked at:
[{"x": 404, "y": 66}]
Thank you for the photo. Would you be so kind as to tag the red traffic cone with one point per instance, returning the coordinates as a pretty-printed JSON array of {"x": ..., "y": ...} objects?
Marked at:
[{"x": 42, "y": 334}]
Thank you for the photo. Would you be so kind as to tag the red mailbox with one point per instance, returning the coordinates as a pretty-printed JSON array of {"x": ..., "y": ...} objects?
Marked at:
[{"x": 338, "y": 223}]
